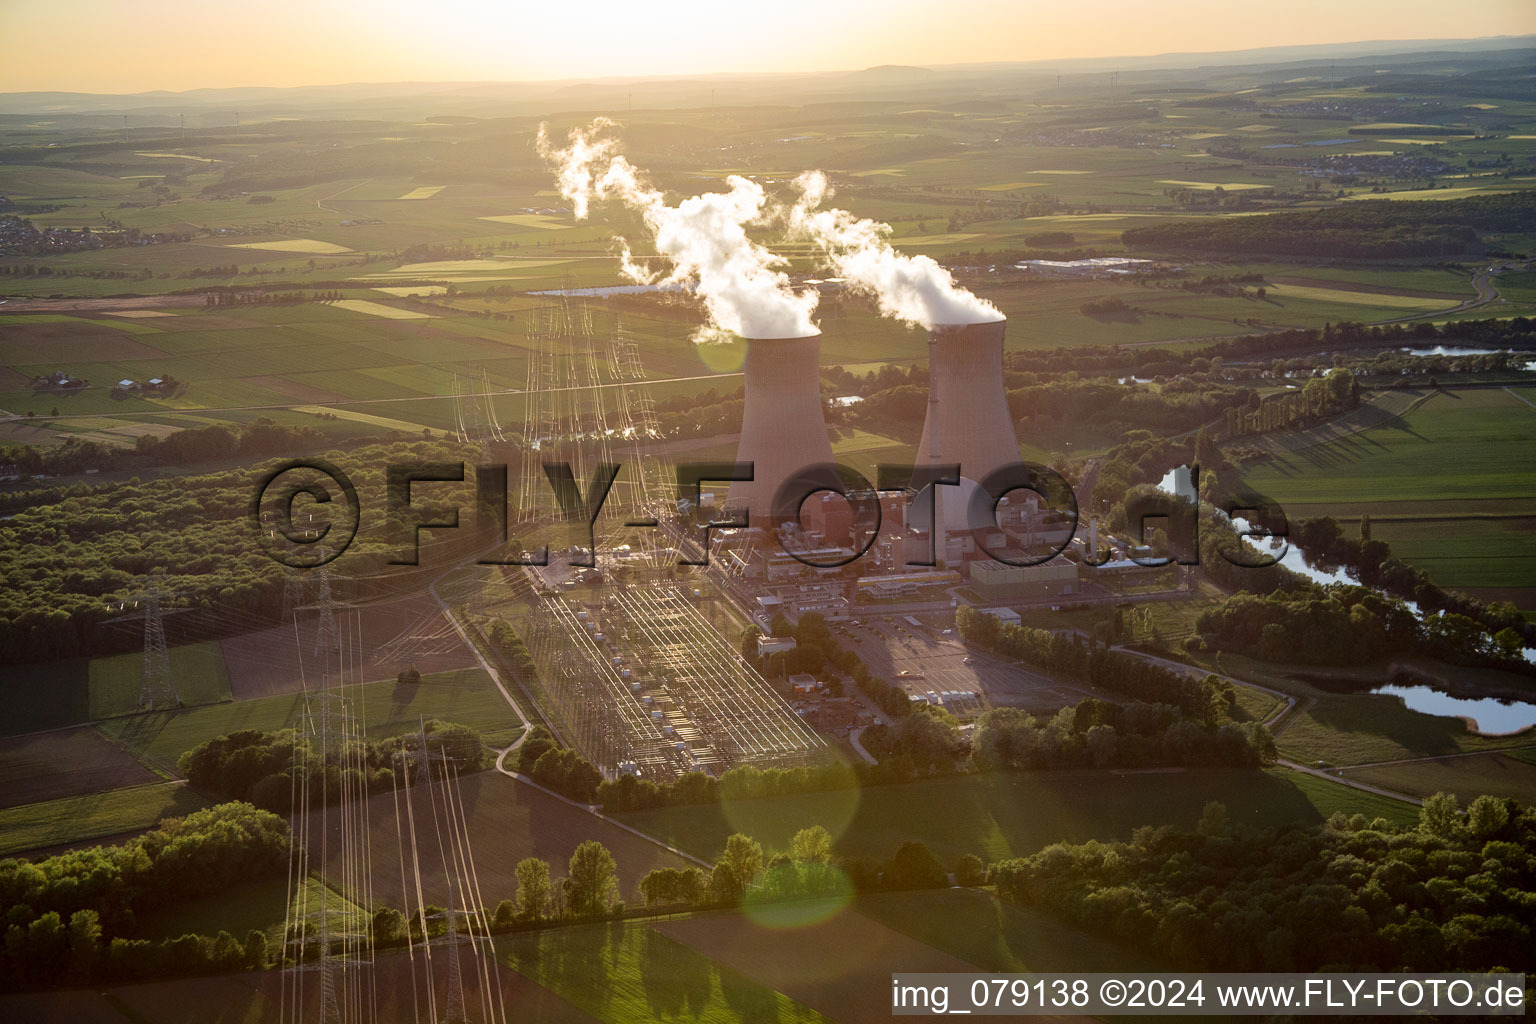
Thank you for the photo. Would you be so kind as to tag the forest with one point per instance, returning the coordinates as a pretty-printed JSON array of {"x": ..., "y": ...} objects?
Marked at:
[{"x": 65, "y": 567}]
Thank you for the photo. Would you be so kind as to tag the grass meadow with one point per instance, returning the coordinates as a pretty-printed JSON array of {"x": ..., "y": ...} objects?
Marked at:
[
  {"x": 94, "y": 816},
  {"x": 632, "y": 972},
  {"x": 1447, "y": 476},
  {"x": 388, "y": 709},
  {"x": 1002, "y": 815},
  {"x": 1502, "y": 774}
]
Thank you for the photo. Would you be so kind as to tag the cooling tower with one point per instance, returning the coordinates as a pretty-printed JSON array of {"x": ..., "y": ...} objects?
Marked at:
[
  {"x": 968, "y": 421},
  {"x": 783, "y": 431}
]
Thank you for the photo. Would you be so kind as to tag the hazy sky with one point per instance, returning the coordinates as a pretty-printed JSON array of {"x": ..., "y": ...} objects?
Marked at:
[{"x": 139, "y": 45}]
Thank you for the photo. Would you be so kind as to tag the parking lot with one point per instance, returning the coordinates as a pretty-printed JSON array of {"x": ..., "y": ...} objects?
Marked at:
[{"x": 923, "y": 660}]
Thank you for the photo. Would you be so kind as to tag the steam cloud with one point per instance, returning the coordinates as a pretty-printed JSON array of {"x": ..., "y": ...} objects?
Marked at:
[
  {"x": 911, "y": 288},
  {"x": 705, "y": 238}
]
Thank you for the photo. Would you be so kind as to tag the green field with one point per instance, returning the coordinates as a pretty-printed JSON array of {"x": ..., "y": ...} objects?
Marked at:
[
  {"x": 998, "y": 815},
  {"x": 467, "y": 697},
  {"x": 47, "y": 696},
  {"x": 1468, "y": 777},
  {"x": 1448, "y": 475},
  {"x": 630, "y": 972},
  {"x": 1456, "y": 444},
  {"x": 78, "y": 818},
  {"x": 1360, "y": 728},
  {"x": 196, "y": 669},
  {"x": 243, "y": 907},
  {"x": 975, "y": 926}
]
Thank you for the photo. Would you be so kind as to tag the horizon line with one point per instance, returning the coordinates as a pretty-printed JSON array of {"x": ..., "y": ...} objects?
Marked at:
[{"x": 723, "y": 74}]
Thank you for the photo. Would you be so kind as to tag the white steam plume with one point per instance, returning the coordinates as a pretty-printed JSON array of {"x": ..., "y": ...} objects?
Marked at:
[
  {"x": 912, "y": 288},
  {"x": 705, "y": 238}
]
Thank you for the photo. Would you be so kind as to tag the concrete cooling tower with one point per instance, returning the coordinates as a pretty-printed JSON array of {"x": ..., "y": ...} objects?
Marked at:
[
  {"x": 968, "y": 420},
  {"x": 783, "y": 431}
]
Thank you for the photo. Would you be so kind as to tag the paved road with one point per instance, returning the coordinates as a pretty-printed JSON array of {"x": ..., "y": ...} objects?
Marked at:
[
  {"x": 858, "y": 748},
  {"x": 1482, "y": 283},
  {"x": 1332, "y": 776}
]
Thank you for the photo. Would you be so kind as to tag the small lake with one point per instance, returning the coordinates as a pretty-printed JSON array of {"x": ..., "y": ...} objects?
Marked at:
[{"x": 1492, "y": 717}]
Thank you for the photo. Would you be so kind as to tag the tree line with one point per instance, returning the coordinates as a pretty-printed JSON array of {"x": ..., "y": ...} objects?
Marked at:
[
  {"x": 743, "y": 873},
  {"x": 1451, "y": 893},
  {"x": 71, "y": 918},
  {"x": 1279, "y": 615},
  {"x": 274, "y": 769},
  {"x": 1371, "y": 562},
  {"x": 1101, "y": 734},
  {"x": 1321, "y": 397}
]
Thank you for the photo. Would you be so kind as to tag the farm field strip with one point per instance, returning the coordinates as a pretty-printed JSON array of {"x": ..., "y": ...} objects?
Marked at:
[
  {"x": 539, "y": 221},
  {"x": 1208, "y": 186},
  {"x": 1439, "y": 194},
  {"x": 379, "y": 309},
  {"x": 1364, "y": 298},
  {"x": 298, "y": 245},
  {"x": 70, "y": 762},
  {"x": 97, "y": 815}
]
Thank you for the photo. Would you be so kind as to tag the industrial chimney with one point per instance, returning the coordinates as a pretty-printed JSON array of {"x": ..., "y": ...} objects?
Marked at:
[
  {"x": 968, "y": 420},
  {"x": 783, "y": 431}
]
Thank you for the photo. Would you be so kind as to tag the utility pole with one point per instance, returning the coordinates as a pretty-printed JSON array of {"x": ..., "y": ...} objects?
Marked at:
[
  {"x": 455, "y": 1013},
  {"x": 327, "y": 639},
  {"x": 157, "y": 688}
]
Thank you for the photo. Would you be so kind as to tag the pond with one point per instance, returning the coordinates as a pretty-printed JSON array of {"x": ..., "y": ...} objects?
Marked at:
[{"x": 1490, "y": 717}]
